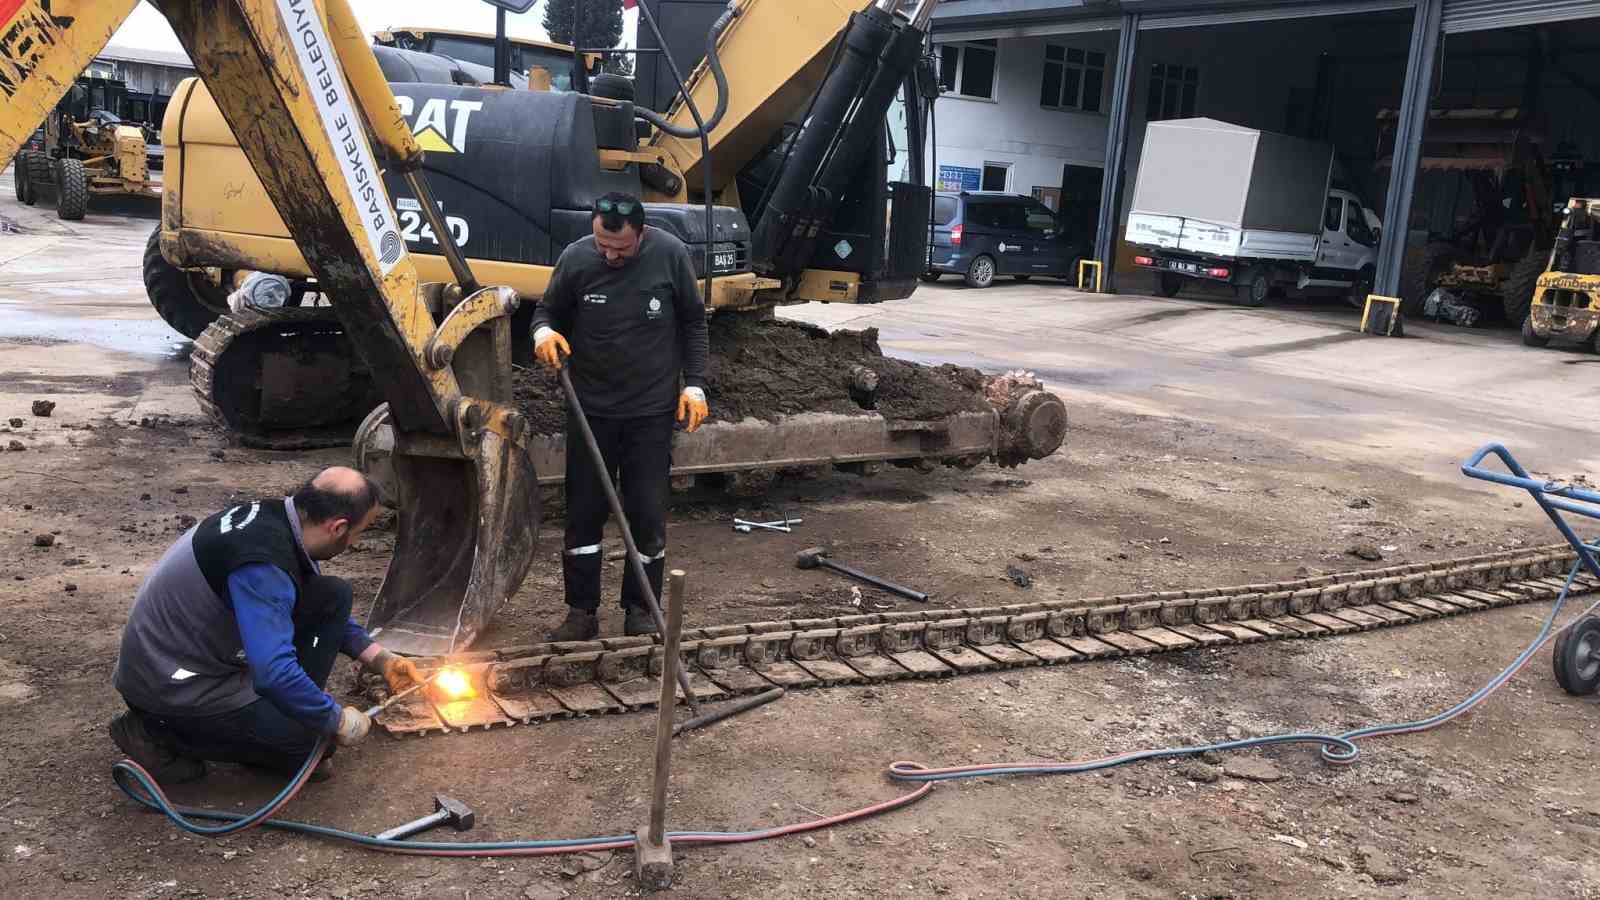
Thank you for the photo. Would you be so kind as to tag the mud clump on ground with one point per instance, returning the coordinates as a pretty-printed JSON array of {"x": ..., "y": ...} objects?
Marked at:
[{"x": 770, "y": 368}]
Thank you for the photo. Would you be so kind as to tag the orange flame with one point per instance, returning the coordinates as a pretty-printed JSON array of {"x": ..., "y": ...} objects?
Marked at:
[{"x": 454, "y": 684}]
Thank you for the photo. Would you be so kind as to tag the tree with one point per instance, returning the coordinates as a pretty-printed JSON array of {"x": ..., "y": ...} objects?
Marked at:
[{"x": 602, "y": 27}]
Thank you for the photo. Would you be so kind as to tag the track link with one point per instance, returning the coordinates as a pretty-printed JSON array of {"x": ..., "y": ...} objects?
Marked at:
[{"x": 534, "y": 683}]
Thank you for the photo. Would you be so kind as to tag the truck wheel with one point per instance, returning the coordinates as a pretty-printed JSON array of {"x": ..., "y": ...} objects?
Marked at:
[
  {"x": 981, "y": 273},
  {"x": 1168, "y": 284},
  {"x": 72, "y": 189},
  {"x": 1531, "y": 337},
  {"x": 23, "y": 179},
  {"x": 1577, "y": 657},
  {"x": 173, "y": 293},
  {"x": 1516, "y": 291},
  {"x": 1257, "y": 287},
  {"x": 1357, "y": 296}
]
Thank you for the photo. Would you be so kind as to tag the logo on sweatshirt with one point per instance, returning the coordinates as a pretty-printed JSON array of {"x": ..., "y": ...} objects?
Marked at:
[
  {"x": 596, "y": 299},
  {"x": 654, "y": 310}
]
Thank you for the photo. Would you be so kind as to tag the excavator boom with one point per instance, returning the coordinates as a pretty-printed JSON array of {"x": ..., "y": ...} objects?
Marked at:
[{"x": 299, "y": 86}]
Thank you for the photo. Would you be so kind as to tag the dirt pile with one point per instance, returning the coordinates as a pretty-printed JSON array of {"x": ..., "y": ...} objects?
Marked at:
[{"x": 769, "y": 368}]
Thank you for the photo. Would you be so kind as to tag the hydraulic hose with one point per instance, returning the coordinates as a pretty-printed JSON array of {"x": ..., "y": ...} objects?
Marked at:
[
  {"x": 713, "y": 60},
  {"x": 1337, "y": 749}
]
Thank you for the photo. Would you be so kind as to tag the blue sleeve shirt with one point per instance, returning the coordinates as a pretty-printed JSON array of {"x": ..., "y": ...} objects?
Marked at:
[{"x": 263, "y": 598}]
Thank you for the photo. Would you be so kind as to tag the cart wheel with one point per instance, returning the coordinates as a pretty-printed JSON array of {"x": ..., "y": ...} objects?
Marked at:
[{"x": 1577, "y": 657}]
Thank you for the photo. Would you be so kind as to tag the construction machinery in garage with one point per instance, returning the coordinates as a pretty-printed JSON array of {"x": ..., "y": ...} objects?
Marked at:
[{"x": 1566, "y": 298}]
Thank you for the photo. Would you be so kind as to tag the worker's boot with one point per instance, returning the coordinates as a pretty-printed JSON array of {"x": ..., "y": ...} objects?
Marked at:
[
  {"x": 638, "y": 622},
  {"x": 164, "y": 763},
  {"x": 581, "y": 625}
]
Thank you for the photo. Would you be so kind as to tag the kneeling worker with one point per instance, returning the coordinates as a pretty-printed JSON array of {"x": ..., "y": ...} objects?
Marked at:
[{"x": 235, "y": 631}]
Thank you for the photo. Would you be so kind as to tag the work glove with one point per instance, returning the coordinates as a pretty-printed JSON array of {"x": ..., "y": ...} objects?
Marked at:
[
  {"x": 692, "y": 408},
  {"x": 353, "y": 727},
  {"x": 399, "y": 672},
  {"x": 549, "y": 346}
]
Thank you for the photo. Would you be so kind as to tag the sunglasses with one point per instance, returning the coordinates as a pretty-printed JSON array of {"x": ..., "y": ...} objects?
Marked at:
[{"x": 606, "y": 207}]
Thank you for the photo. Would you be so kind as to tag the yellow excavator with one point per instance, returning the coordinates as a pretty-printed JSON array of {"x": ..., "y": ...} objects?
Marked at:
[{"x": 306, "y": 155}]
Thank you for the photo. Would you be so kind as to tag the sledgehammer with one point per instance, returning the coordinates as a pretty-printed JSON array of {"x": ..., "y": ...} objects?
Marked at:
[{"x": 816, "y": 557}]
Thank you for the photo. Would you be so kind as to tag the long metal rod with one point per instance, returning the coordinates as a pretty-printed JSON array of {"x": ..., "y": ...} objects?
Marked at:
[
  {"x": 664, "y": 729},
  {"x": 447, "y": 242},
  {"x": 635, "y": 564},
  {"x": 875, "y": 581},
  {"x": 730, "y": 709}
]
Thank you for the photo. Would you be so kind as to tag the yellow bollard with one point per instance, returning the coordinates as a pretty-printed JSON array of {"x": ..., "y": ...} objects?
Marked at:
[
  {"x": 1098, "y": 269},
  {"x": 1381, "y": 315}
]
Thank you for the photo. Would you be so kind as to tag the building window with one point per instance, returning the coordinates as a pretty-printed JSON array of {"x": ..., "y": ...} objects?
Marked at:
[
  {"x": 968, "y": 69},
  {"x": 995, "y": 176},
  {"x": 1172, "y": 92},
  {"x": 1073, "y": 78}
]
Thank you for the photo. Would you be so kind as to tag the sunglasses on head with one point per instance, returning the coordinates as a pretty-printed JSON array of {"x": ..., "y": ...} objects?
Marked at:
[{"x": 606, "y": 207}]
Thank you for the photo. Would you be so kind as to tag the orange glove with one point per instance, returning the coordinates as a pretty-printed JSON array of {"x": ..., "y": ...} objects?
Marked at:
[
  {"x": 692, "y": 407},
  {"x": 398, "y": 671},
  {"x": 548, "y": 347}
]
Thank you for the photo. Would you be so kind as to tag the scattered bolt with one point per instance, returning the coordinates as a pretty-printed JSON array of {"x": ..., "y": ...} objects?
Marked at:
[
  {"x": 43, "y": 408},
  {"x": 180, "y": 489}
]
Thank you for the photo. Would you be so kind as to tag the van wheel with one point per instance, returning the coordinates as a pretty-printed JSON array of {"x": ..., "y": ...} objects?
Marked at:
[
  {"x": 981, "y": 273},
  {"x": 929, "y": 277},
  {"x": 1256, "y": 288},
  {"x": 1168, "y": 284},
  {"x": 1531, "y": 337}
]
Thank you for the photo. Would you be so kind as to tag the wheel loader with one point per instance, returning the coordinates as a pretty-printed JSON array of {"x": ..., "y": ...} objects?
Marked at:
[
  {"x": 279, "y": 166},
  {"x": 1566, "y": 299},
  {"x": 86, "y": 149}
]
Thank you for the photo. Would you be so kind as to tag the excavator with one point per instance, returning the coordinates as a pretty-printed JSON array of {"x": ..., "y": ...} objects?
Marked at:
[{"x": 303, "y": 153}]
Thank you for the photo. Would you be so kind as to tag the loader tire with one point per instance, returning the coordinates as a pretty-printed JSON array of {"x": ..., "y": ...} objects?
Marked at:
[
  {"x": 23, "y": 179},
  {"x": 172, "y": 292},
  {"x": 1516, "y": 292},
  {"x": 39, "y": 175},
  {"x": 1418, "y": 278},
  {"x": 1530, "y": 337},
  {"x": 72, "y": 189}
]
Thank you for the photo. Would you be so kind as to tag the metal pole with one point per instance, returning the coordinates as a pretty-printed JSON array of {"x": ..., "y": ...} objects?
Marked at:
[
  {"x": 1409, "y": 127},
  {"x": 652, "y": 852},
  {"x": 1105, "y": 243},
  {"x": 635, "y": 564}
]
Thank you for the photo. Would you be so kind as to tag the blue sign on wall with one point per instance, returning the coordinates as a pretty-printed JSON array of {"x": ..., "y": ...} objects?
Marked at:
[{"x": 959, "y": 178}]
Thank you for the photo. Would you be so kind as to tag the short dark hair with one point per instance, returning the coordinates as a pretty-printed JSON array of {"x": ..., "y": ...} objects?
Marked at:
[
  {"x": 320, "y": 505},
  {"x": 606, "y": 209}
]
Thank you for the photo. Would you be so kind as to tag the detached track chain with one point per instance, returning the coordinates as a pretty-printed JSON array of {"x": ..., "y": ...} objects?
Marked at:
[{"x": 539, "y": 682}]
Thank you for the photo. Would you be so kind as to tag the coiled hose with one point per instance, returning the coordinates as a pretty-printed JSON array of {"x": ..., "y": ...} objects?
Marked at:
[{"x": 1336, "y": 749}]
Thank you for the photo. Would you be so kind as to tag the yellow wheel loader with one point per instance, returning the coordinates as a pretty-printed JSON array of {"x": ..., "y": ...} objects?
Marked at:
[
  {"x": 302, "y": 154},
  {"x": 1566, "y": 298}
]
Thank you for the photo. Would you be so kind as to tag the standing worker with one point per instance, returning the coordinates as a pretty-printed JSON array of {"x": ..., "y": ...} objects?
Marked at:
[
  {"x": 627, "y": 298},
  {"x": 235, "y": 631}
]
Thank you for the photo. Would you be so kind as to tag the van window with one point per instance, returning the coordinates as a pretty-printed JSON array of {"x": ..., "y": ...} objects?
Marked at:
[
  {"x": 1039, "y": 217},
  {"x": 1333, "y": 216},
  {"x": 1358, "y": 230},
  {"x": 944, "y": 210},
  {"x": 1000, "y": 216}
]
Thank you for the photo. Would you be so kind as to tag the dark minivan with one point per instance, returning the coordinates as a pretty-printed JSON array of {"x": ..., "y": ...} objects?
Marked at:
[{"x": 983, "y": 235}]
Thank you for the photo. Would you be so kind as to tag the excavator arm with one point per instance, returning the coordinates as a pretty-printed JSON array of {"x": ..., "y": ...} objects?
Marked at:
[{"x": 301, "y": 89}]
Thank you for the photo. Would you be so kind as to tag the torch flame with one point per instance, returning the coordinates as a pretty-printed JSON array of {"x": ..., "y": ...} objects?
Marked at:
[{"x": 454, "y": 683}]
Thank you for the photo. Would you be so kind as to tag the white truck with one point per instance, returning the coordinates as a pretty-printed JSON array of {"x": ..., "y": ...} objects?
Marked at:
[{"x": 1222, "y": 203}]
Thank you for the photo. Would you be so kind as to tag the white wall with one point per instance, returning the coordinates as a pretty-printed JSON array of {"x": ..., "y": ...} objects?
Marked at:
[{"x": 1015, "y": 129}]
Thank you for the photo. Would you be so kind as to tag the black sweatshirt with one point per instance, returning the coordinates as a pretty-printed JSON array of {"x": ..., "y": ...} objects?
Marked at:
[{"x": 631, "y": 328}]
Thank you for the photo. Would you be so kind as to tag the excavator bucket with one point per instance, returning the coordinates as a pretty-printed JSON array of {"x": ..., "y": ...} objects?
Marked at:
[{"x": 467, "y": 529}]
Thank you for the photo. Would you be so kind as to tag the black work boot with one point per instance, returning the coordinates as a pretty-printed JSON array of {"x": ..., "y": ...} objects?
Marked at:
[
  {"x": 638, "y": 621},
  {"x": 580, "y": 625},
  {"x": 165, "y": 765}
]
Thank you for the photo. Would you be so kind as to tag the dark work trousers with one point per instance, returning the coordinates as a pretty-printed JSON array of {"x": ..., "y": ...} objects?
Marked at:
[
  {"x": 640, "y": 449},
  {"x": 259, "y": 734}
]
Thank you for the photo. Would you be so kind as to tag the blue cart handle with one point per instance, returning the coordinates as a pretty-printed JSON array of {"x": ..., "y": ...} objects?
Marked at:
[{"x": 1552, "y": 496}]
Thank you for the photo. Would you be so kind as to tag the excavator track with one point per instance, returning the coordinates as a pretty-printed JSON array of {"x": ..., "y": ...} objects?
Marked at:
[
  {"x": 282, "y": 379},
  {"x": 535, "y": 683}
]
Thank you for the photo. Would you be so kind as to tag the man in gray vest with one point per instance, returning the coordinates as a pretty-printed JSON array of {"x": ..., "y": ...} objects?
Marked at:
[{"x": 235, "y": 631}]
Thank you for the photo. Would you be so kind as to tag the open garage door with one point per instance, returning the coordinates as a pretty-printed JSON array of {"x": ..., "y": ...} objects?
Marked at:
[{"x": 1460, "y": 16}]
